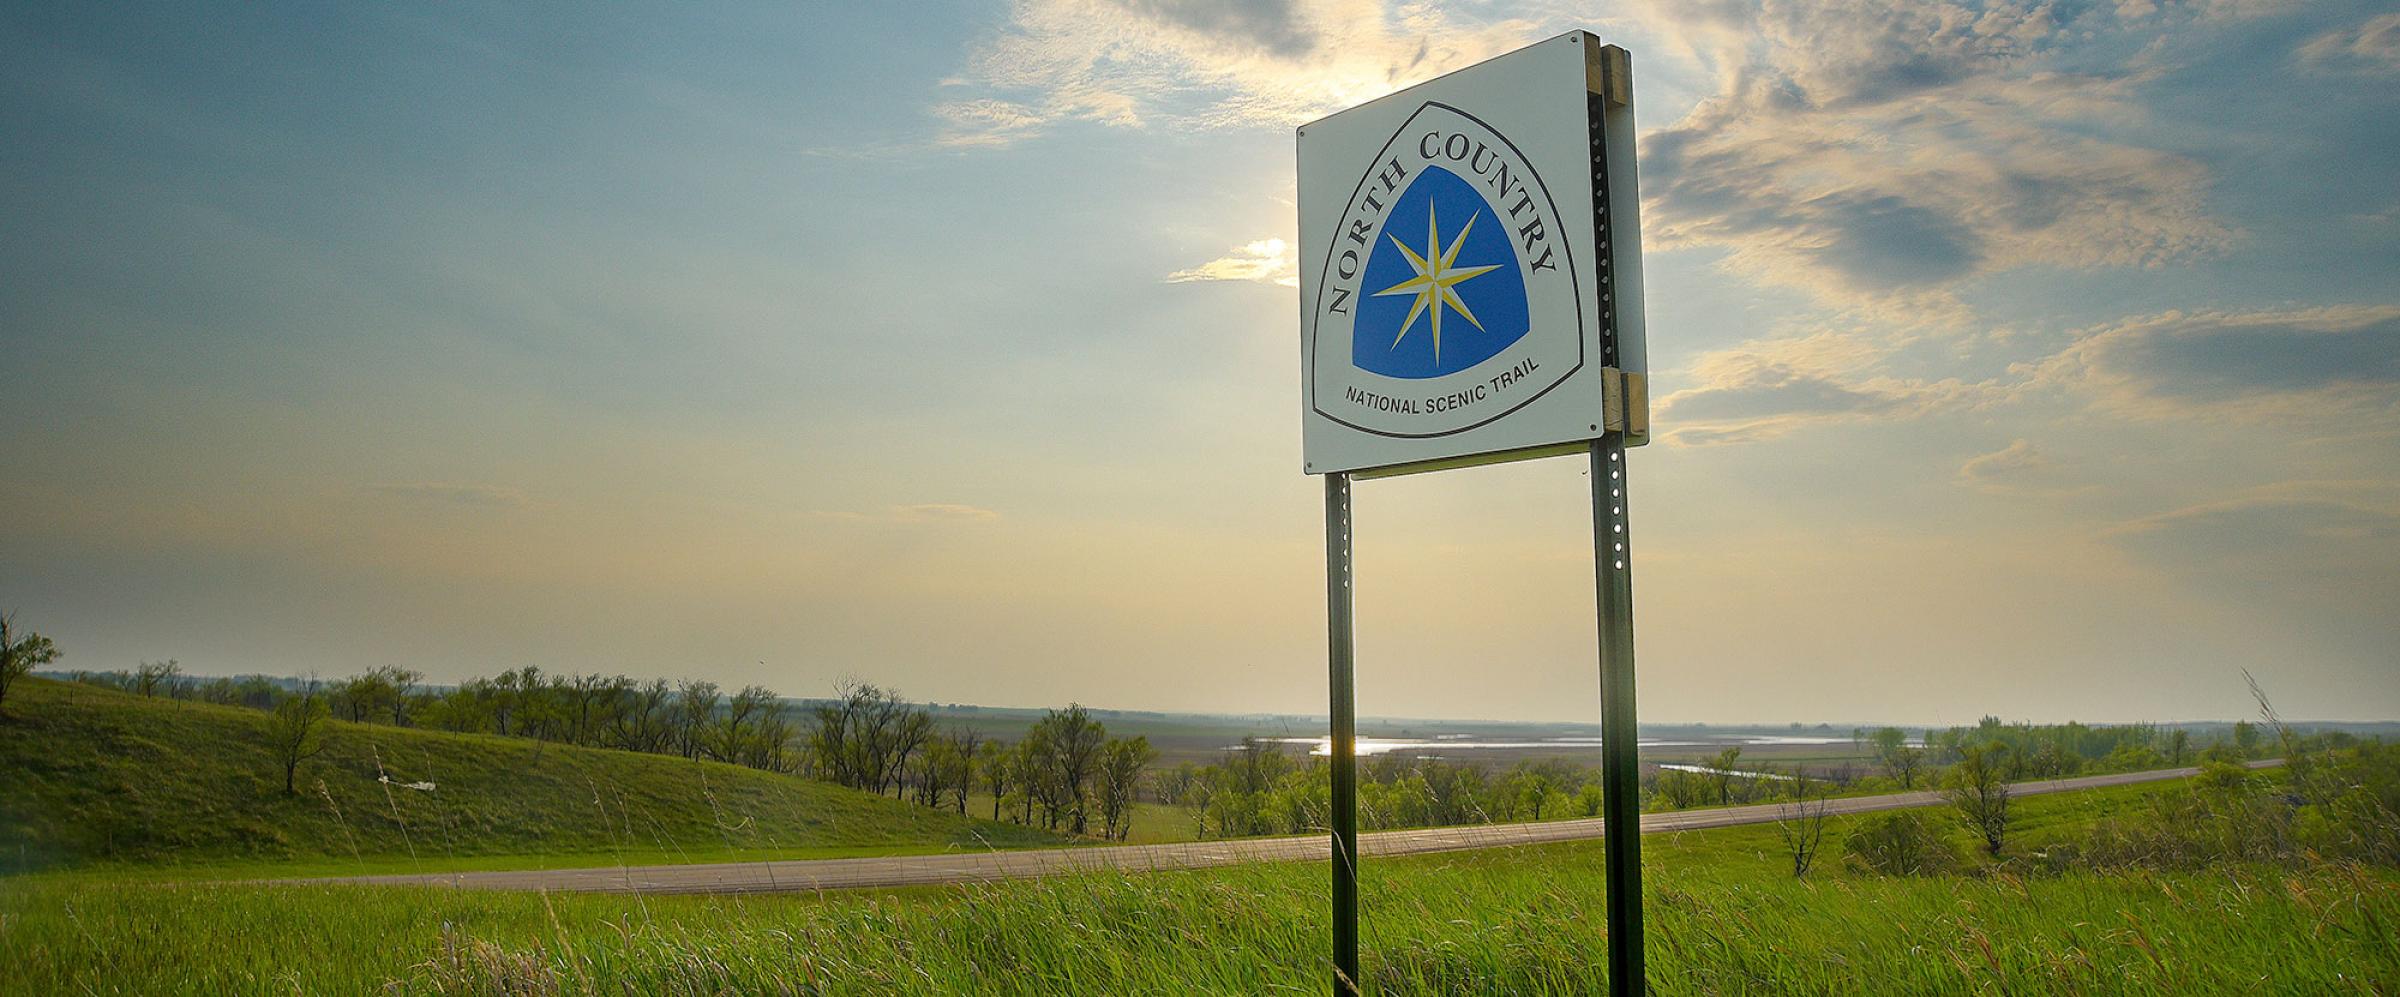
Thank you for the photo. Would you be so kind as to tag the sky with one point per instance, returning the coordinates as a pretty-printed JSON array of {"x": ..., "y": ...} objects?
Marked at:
[{"x": 2026, "y": 359}]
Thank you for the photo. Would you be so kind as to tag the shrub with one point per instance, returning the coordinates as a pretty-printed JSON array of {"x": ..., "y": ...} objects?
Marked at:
[
  {"x": 1978, "y": 787},
  {"x": 1899, "y": 843},
  {"x": 2355, "y": 810},
  {"x": 2192, "y": 830},
  {"x": 2219, "y": 776},
  {"x": 2348, "y": 811}
]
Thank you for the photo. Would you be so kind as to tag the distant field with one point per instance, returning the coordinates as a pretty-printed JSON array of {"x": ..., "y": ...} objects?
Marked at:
[
  {"x": 93, "y": 776},
  {"x": 1725, "y": 916}
]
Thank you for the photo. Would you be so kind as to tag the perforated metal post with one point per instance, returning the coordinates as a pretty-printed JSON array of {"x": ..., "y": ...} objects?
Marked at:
[
  {"x": 1620, "y": 762},
  {"x": 1609, "y": 77},
  {"x": 1342, "y": 741}
]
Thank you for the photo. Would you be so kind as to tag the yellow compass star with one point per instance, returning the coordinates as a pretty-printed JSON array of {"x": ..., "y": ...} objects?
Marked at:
[{"x": 1434, "y": 280}]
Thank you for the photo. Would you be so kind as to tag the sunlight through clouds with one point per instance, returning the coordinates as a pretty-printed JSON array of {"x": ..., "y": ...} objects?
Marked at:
[
  {"x": 1878, "y": 157},
  {"x": 1191, "y": 63},
  {"x": 1267, "y": 261}
]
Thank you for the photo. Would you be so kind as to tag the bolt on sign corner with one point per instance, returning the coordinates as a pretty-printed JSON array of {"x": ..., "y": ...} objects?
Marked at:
[{"x": 1466, "y": 293}]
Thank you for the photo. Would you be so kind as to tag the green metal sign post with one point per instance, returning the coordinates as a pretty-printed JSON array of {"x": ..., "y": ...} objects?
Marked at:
[
  {"x": 1620, "y": 771},
  {"x": 1342, "y": 743},
  {"x": 1620, "y": 746}
]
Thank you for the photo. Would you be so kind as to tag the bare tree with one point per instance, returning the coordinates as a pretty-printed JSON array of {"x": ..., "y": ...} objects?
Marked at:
[
  {"x": 363, "y": 697},
  {"x": 1979, "y": 788},
  {"x": 970, "y": 752},
  {"x": 695, "y": 708},
  {"x": 1121, "y": 765},
  {"x": 594, "y": 703},
  {"x": 831, "y": 742},
  {"x": 1842, "y": 773},
  {"x": 1073, "y": 740},
  {"x": 900, "y": 732},
  {"x": 945, "y": 770},
  {"x": 1720, "y": 773},
  {"x": 1680, "y": 789},
  {"x": 1801, "y": 822},
  {"x": 296, "y": 730},
  {"x": 403, "y": 683},
  {"x": 996, "y": 762},
  {"x": 1173, "y": 785},
  {"x": 770, "y": 745},
  {"x": 1900, "y": 760},
  {"x": 865, "y": 738},
  {"x": 1033, "y": 776},
  {"x": 645, "y": 723},
  {"x": 149, "y": 676},
  {"x": 20, "y": 652},
  {"x": 374, "y": 695},
  {"x": 735, "y": 736}
]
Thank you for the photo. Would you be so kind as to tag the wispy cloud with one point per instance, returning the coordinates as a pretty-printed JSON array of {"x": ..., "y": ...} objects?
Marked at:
[
  {"x": 1876, "y": 155},
  {"x": 2018, "y": 469},
  {"x": 1267, "y": 261},
  {"x": 1211, "y": 63},
  {"x": 2371, "y": 47},
  {"x": 2334, "y": 368},
  {"x": 985, "y": 122},
  {"x": 2312, "y": 364},
  {"x": 1879, "y": 155},
  {"x": 1767, "y": 389}
]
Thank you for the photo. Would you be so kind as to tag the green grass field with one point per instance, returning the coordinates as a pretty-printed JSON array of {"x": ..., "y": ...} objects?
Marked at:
[
  {"x": 1725, "y": 916},
  {"x": 96, "y": 777}
]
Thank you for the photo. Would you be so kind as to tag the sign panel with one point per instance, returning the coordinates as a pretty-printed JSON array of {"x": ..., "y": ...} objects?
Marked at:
[{"x": 1467, "y": 293}]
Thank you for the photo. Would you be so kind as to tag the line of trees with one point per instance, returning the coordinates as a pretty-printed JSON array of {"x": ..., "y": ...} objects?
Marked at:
[
  {"x": 1064, "y": 774},
  {"x": 1258, "y": 788},
  {"x": 165, "y": 679},
  {"x": 2046, "y": 751}
]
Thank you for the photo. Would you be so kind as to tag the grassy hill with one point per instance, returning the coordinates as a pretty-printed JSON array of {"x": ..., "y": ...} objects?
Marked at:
[{"x": 91, "y": 775}]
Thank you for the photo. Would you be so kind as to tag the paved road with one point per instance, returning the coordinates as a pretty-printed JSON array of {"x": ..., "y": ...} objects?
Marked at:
[{"x": 916, "y": 870}]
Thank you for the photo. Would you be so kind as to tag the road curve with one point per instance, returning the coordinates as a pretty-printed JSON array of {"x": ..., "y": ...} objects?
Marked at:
[{"x": 807, "y": 875}]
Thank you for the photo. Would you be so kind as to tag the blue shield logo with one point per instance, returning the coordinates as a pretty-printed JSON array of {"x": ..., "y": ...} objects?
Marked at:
[{"x": 1443, "y": 289}]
